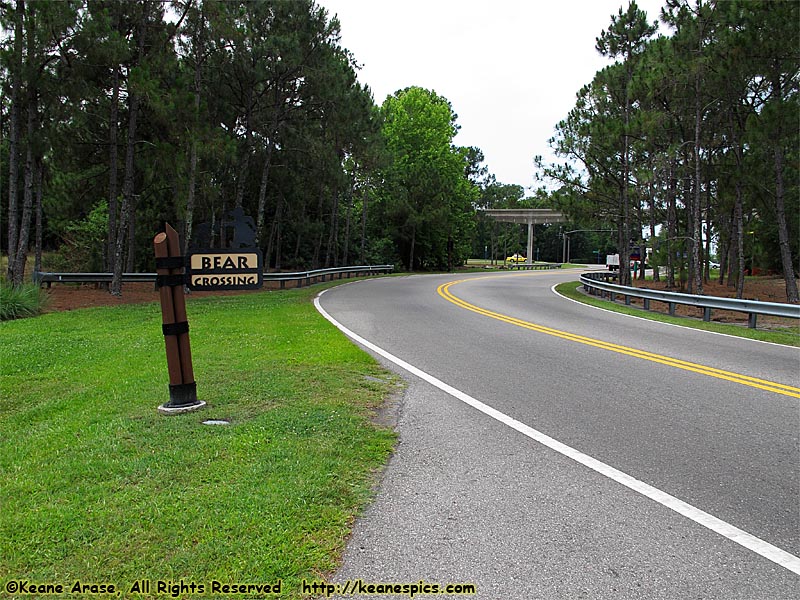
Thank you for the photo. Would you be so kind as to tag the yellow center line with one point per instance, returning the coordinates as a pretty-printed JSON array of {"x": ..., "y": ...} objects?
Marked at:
[{"x": 770, "y": 386}]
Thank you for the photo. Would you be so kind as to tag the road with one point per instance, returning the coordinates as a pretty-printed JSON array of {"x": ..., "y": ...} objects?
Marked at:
[{"x": 552, "y": 450}]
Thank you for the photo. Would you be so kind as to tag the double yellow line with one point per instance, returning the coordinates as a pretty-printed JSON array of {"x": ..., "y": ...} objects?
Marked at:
[{"x": 778, "y": 388}]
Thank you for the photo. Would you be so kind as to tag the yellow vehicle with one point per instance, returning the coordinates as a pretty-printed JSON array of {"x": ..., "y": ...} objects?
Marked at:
[{"x": 515, "y": 258}]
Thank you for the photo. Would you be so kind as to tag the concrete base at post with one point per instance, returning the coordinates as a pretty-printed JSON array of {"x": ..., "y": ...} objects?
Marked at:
[
  {"x": 166, "y": 409},
  {"x": 182, "y": 399}
]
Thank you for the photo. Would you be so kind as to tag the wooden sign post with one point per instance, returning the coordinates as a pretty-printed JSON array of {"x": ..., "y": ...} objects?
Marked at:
[{"x": 175, "y": 326}]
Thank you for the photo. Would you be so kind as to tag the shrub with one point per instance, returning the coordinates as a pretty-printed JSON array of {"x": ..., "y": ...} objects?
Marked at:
[{"x": 27, "y": 300}]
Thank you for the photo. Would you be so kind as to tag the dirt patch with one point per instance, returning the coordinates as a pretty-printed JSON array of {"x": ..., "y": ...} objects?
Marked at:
[{"x": 70, "y": 296}]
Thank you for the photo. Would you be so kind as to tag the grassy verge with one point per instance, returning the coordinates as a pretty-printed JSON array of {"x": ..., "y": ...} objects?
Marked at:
[
  {"x": 96, "y": 486},
  {"x": 787, "y": 338}
]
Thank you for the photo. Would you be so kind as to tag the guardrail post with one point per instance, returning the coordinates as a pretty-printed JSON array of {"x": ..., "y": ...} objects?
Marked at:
[
  {"x": 751, "y": 320},
  {"x": 706, "y": 314}
]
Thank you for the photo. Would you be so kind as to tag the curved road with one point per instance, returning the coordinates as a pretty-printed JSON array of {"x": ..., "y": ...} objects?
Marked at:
[{"x": 593, "y": 429}]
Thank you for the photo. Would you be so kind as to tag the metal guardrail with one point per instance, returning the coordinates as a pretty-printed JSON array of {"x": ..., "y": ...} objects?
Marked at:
[
  {"x": 309, "y": 277},
  {"x": 597, "y": 284},
  {"x": 534, "y": 266},
  {"x": 301, "y": 277}
]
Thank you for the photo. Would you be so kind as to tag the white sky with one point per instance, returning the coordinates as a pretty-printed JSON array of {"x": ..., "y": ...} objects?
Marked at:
[{"x": 510, "y": 68}]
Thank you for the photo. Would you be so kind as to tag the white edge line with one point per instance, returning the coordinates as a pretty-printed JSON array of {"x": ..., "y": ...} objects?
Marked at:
[
  {"x": 622, "y": 314},
  {"x": 739, "y": 536}
]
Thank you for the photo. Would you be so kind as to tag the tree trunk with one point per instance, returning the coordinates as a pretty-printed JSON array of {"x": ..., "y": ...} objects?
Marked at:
[
  {"x": 707, "y": 250},
  {"x": 624, "y": 254},
  {"x": 278, "y": 249},
  {"x": 130, "y": 254},
  {"x": 190, "y": 201},
  {"x": 732, "y": 269},
  {"x": 21, "y": 254},
  {"x": 37, "y": 263},
  {"x": 625, "y": 229},
  {"x": 297, "y": 241},
  {"x": 783, "y": 231},
  {"x": 672, "y": 224},
  {"x": 346, "y": 250},
  {"x": 695, "y": 272},
  {"x": 190, "y": 196},
  {"x": 127, "y": 196},
  {"x": 113, "y": 164},
  {"x": 780, "y": 209},
  {"x": 739, "y": 224},
  {"x": 2, "y": 98},
  {"x": 331, "y": 252},
  {"x": 411, "y": 253},
  {"x": 273, "y": 232},
  {"x": 656, "y": 276},
  {"x": 14, "y": 135},
  {"x": 365, "y": 200},
  {"x": 724, "y": 247},
  {"x": 128, "y": 182},
  {"x": 262, "y": 192},
  {"x": 30, "y": 162},
  {"x": 244, "y": 164},
  {"x": 318, "y": 247}
]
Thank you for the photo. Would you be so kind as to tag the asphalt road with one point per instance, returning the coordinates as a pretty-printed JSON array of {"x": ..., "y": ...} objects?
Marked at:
[{"x": 470, "y": 497}]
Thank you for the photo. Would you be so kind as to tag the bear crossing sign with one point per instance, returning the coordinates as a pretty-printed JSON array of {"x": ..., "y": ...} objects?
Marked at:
[{"x": 210, "y": 270}]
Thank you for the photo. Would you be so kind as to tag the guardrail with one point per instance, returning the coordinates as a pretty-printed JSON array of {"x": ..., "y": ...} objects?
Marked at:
[
  {"x": 597, "y": 284},
  {"x": 534, "y": 266},
  {"x": 301, "y": 277}
]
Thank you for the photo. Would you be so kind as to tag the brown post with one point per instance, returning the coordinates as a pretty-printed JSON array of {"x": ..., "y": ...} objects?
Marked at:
[{"x": 175, "y": 326}]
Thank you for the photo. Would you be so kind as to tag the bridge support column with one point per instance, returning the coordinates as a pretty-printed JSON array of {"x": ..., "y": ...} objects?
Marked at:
[{"x": 529, "y": 259}]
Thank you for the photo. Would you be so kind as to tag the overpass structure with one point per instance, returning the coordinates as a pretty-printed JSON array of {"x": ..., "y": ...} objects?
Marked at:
[{"x": 526, "y": 216}]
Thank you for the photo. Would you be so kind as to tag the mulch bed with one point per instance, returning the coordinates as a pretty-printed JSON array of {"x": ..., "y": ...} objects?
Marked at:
[{"x": 764, "y": 289}]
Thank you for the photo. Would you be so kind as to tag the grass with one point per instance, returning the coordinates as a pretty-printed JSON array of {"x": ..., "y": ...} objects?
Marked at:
[
  {"x": 96, "y": 485},
  {"x": 788, "y": 337}
]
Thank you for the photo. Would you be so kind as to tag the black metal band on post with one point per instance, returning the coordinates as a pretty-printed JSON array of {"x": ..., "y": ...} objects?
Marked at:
[
  {"x": 182, "y": 394},
  {"x": 175, "y": 328},
  {"x": 170, "y": 280}
]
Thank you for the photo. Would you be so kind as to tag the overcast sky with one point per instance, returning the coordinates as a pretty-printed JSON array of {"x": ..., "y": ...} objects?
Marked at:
[{"x": 510, "y": 68}]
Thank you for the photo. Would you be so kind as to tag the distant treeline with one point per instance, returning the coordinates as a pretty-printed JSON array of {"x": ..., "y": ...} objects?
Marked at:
[{"x": 117, "y": 116}]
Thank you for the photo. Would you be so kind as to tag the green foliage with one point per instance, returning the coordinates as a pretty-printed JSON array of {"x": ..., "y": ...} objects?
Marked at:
[
  {"x": 427, "y": 199},
  {"x": 17, "y": 302},
  {"x": 83, "y": 243},
  {"x": 693, "y": 133}
]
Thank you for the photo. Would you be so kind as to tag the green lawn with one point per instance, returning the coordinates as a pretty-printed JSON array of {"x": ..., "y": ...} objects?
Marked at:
[
  {"x": 788, "y": 337},
  {"x": 96, "y": 486}
]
